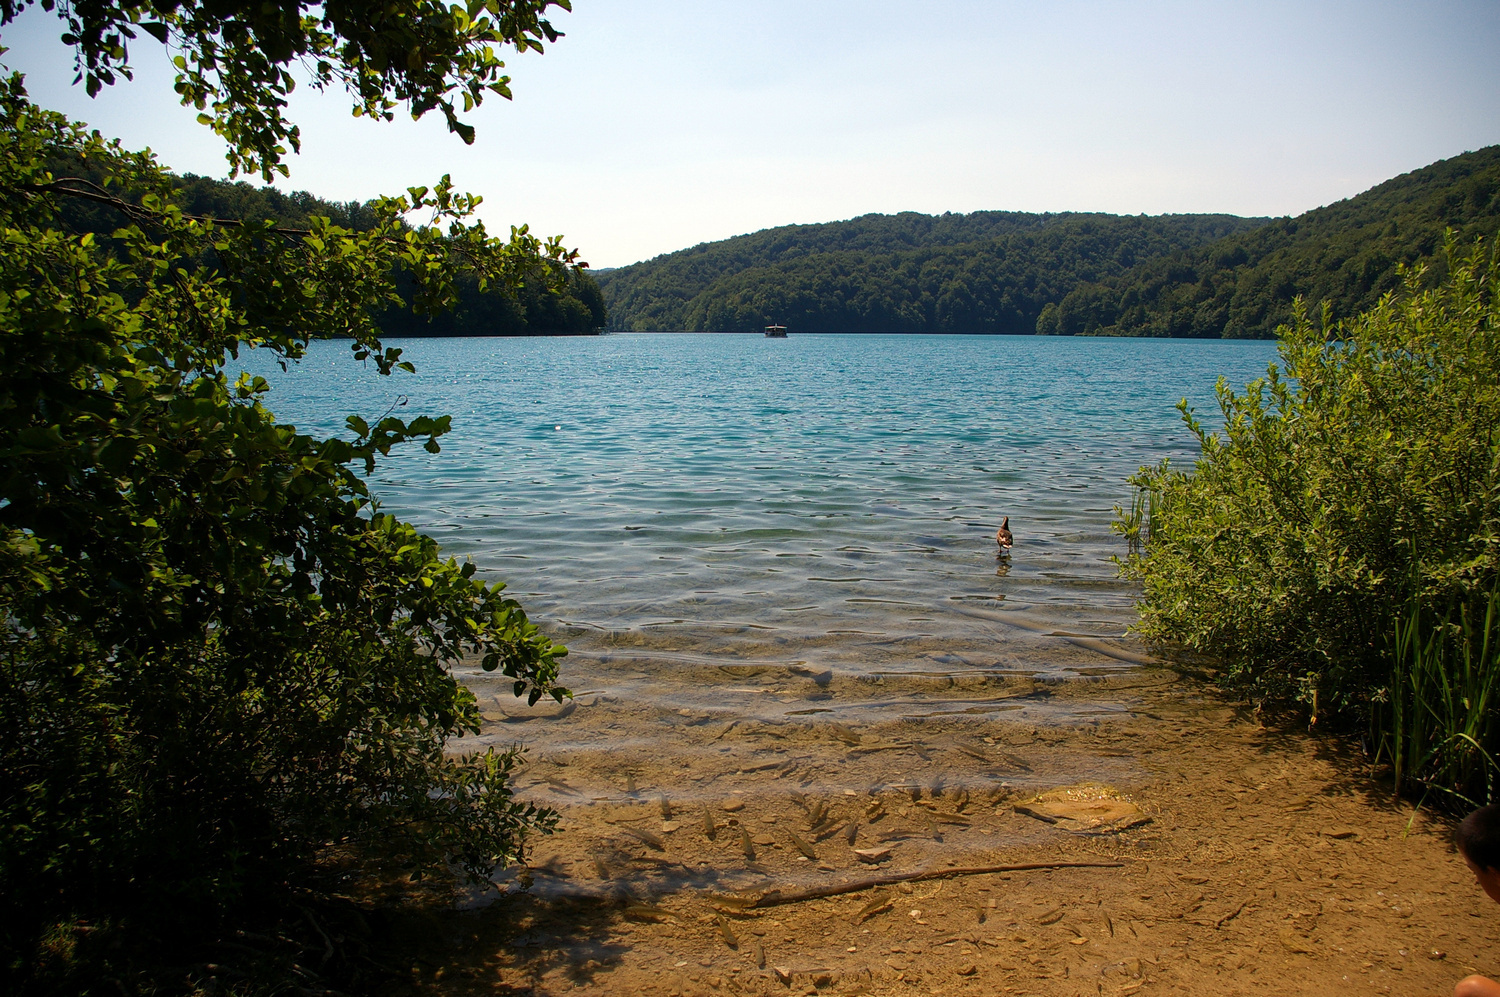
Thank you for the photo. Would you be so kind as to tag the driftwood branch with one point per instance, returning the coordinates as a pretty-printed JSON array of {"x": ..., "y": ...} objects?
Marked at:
[{"x": 776, "y": 898}]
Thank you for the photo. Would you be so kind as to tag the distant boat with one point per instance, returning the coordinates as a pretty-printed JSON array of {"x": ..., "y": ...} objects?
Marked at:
[{"x": 775, "y": 332}]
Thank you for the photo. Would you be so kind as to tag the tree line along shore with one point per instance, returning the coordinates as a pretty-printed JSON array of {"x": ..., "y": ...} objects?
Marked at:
[
  {"x": 1066, "y": 273},
  {"x": 532, "y": 305},
  {"x": 985, "y": 272}
]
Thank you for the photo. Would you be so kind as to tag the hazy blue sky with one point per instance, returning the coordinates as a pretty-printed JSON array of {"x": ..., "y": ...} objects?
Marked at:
[{"x": 654, "y": 125}]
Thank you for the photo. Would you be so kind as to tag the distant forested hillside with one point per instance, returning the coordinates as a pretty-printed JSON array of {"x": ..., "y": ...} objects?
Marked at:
[
  {"x": 1345, "y": 254},
  {"x": 985, "y": 272},
  {"x": 531, "y": 311}
]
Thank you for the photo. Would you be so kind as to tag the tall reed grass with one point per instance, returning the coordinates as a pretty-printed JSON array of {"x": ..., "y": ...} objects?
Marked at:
[
  {"x": 1135, "y": 525},
  {"x": 1439, "y": 719}
]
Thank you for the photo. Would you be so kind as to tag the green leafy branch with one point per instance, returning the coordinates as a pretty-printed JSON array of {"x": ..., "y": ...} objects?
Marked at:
[{"x": 234, "y": 61}]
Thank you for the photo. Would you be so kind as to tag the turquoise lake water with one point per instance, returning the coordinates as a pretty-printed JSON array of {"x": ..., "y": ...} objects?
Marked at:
[{"x": 667, "y": 503}]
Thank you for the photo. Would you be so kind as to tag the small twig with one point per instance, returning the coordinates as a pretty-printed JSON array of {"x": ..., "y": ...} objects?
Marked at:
[
  {"x": 400, "y": 401},
  {"x": 775, "y": 898},
  {"x": 328, "y": 942}
]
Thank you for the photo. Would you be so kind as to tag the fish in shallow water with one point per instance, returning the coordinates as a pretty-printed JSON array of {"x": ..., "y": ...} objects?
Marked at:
[
  {"x": 648, "y": 912},
  {"x": 879, "y": 903},
  {"x": 727, "y": 933},
  {"x": 802, "y": 845},
  {"x": 646, "y": 838}
]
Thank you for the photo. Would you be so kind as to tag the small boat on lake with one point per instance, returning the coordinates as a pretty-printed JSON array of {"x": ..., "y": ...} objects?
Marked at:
[{"x": 775, "y": 332}]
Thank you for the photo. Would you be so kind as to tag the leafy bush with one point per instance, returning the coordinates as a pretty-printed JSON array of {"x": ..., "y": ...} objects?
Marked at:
[
  {"x": 218, "y": 658},
  {"x": 1359, "y": 477}
]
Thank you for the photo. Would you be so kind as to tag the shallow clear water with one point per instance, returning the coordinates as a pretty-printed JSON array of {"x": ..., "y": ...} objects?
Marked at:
[{"x": 667, "y": 504}]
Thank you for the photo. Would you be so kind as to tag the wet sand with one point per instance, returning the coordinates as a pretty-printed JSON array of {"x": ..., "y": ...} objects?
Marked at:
[{"x": 1235, "y": 857}]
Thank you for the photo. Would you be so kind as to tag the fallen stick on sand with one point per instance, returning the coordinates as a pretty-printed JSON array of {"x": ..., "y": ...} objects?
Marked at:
[{"x": 775, "y": 898}]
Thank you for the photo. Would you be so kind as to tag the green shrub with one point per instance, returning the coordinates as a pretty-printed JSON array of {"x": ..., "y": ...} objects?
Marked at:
[
  {"x": 219, "y": 660},
  {"x": 1358, "y": 478}
]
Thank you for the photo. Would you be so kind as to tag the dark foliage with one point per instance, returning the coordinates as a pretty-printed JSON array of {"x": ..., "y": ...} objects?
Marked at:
[
  {"x": 221, "y": 664},
  {"x": 224, "y": 670}
]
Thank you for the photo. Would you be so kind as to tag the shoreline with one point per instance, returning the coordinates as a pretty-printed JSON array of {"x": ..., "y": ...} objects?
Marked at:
[{"x": 1268, "y": 862}]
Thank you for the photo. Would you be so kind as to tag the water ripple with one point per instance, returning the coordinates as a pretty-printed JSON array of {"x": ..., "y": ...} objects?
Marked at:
[{"x": 825, "y": 500}]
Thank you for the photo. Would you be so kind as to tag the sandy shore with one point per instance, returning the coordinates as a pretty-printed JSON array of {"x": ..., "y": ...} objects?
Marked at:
[{"x": 1249, "y": 858}]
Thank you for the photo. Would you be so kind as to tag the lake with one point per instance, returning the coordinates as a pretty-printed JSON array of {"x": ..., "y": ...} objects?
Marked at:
[{"x": 824, "y": 503}]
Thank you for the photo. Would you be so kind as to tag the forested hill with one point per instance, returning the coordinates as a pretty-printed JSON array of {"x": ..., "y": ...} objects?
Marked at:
[
  {"x": 530, "y": 311},
  {"x": 984, "y": 272},
  {"x": 1346, "y": 254}
]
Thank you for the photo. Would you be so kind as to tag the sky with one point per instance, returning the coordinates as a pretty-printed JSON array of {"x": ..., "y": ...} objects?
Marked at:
[{"x": 653, "y": 125}]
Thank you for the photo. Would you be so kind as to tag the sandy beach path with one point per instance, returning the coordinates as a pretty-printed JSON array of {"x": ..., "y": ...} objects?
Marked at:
[{"x": 1251, "y": 858}]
